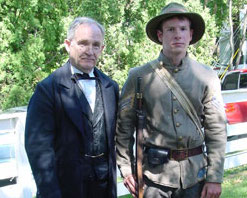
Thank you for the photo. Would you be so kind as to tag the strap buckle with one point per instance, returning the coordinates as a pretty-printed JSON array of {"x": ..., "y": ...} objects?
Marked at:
[{"x": 179, "y": 155}]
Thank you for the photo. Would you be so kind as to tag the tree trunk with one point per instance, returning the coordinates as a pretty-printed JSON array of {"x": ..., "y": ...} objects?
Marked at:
[
  {"x": 231, "y": 35},
  {"x": 243, "y": 38},
  {"x": 215, "y": 7},
  {"x": 205, "y": 3}
]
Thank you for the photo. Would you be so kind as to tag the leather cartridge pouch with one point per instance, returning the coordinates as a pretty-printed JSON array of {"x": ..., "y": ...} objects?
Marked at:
[{"x": 157, "y": 156}]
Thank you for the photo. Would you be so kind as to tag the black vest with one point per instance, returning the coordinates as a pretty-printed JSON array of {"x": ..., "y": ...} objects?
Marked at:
[
  {"x": 98, "y": 145},
  {"x": 95, "y": 143}
]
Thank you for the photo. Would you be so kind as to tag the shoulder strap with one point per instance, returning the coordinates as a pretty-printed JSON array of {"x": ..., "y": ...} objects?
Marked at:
[{"x": 172, "y": 84}]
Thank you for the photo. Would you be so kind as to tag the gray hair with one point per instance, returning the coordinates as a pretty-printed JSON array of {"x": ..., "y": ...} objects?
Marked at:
[{"x": 83, "y": 20}]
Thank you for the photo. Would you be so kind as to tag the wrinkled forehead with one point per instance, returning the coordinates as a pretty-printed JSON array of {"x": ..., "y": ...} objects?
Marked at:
[{"x": 86, "y": 30}]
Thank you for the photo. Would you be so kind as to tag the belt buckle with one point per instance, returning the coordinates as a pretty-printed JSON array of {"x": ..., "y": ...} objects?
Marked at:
[{"x": 181, "y": 154}]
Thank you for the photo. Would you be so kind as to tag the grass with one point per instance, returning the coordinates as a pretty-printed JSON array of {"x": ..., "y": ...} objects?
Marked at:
[
  {"x": 234, "y": 185},
  {"x": 126, "y": 196}
]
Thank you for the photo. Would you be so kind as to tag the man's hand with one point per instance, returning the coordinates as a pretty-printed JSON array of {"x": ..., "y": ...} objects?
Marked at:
[
  {"x": 131, "y": 185},
  {"x": 211, "y": 190}
]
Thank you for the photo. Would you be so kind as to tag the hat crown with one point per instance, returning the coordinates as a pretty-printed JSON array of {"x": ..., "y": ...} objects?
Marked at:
[{"x": 173, "y": 8}]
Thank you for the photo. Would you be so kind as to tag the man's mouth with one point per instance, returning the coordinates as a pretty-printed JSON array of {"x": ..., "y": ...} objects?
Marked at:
[
  {"x": 178, "y": 44},
  {"x": 87, "y": 59}
]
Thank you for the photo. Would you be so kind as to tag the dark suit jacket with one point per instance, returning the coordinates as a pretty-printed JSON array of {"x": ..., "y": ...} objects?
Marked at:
[{"x": 56, "y": 127}]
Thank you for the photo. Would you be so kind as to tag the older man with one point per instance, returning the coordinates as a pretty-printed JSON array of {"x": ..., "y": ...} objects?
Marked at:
[
  {"x": 71, "y": 121},
  {"x": 180, "y": 158}
]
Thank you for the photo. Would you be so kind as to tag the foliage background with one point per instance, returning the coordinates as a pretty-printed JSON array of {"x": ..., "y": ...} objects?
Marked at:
[{"x": 32, "y": 34}]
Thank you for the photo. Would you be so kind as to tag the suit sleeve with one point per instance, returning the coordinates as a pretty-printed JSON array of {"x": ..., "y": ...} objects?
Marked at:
[
  {"x": 40, "y": 132},
  {"x": 215, "y": 131},
  {"x": 126, "y": 128}
]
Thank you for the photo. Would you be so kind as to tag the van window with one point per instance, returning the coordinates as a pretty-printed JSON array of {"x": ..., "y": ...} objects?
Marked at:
[
  {"x": 243, "y": 81},
  {"x": 231, "y": 81}
]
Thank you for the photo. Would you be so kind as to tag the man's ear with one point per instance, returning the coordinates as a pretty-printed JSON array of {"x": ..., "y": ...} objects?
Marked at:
[
  {"x": 67, "y": 44},
  {"x": 102, "y": 48},
  {"x": 160, "y": 35}
]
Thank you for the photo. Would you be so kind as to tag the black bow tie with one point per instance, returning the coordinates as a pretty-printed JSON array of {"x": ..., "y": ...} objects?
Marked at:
[{"x": 84, "y": 76}]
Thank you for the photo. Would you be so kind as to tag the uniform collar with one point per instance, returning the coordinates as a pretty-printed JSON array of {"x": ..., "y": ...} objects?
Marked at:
[{"x": 167, "y": 63}]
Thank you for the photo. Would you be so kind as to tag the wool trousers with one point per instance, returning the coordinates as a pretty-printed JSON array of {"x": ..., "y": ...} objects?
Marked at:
[{"x": 153, "y": 190}]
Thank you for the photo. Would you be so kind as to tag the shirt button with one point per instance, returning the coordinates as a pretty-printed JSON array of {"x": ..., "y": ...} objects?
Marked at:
[
  {"x": 175, "y": 111},
  {"x": 176, "y": 70},
  {"x": 178, "y": 124},
  {"x": 174, "y": 98}
]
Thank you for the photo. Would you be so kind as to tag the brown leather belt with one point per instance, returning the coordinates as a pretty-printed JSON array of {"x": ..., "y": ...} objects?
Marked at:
[{"x": 183, "y": 154}]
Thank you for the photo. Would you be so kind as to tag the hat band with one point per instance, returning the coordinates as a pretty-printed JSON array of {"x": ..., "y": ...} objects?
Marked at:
[{"x": 174, "y": 10}]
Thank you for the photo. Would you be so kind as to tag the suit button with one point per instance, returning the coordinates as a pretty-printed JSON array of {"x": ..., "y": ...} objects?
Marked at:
[
  {"x": 176, "y": 70},
  {"x": 180, "y": 138},
  {"x": 178, "y": 124},
  {"x": 160, "y": 65}
]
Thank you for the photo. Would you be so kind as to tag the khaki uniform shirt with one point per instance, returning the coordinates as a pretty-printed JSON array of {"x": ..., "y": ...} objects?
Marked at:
[{"x": 169, "y": 126}]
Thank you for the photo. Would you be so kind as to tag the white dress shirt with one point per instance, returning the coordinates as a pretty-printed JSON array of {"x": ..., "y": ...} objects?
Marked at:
[{"x": 88, "y": 87}]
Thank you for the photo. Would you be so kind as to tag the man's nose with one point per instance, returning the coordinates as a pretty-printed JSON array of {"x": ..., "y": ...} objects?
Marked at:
[
  {"x": 89, "y": 49},
  {"x": 177, "y": 33}
]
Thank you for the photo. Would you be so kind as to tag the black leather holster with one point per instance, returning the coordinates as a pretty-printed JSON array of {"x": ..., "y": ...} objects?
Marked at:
[{"x": 157, "y": 156}]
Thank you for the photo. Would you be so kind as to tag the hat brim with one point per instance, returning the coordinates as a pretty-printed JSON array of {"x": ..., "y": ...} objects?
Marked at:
[{"x": 197, "y": 24}]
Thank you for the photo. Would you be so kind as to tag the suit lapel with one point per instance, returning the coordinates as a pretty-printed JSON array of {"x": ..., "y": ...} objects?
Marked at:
[
  {"x": 74, "y": 104},
  {"x": 86, "y": 109}
]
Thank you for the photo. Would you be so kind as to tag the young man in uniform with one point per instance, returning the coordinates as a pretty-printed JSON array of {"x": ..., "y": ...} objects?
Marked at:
[{"x": 175, "y": 161}]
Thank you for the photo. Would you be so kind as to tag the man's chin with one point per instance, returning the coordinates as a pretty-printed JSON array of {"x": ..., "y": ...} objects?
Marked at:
[
  {"x": 87, "y": 63},
  {"x": 179, "y": 50}
]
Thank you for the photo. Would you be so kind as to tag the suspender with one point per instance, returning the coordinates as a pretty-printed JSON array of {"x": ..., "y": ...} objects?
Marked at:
[{"x": 172, "y": 84}]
